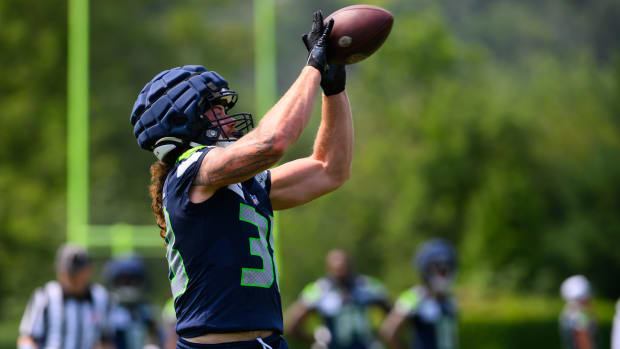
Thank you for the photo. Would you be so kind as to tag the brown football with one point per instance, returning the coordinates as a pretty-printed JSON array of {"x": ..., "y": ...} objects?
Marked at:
[{"x": 358, "y": 32}]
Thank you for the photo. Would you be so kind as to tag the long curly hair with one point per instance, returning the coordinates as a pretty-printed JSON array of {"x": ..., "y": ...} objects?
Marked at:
[{"x": 159, "y": 173}]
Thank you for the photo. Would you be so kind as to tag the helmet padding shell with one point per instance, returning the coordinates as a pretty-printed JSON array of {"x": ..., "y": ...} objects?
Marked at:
[{"x": 173, "y": 103}]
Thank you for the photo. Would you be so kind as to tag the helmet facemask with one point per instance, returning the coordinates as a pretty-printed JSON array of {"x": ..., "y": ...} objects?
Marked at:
[
  {"x": 439, "y": 276},
  {"x": 243, "y": 122}
]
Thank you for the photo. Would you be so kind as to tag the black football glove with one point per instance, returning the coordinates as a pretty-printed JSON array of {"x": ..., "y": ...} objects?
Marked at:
[
  {"x": 318, "y": 54},
  {"x": 333, "y": 78},
  {"x": 313, "y": 36}
]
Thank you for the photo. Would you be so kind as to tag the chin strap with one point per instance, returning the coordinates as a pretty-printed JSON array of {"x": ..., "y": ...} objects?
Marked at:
[
  {"x": 167, "y": 146},
  {"x": 223, "y": 143}
]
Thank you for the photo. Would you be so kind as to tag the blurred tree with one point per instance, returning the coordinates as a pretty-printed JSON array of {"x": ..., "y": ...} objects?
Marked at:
[{"x": 32, "y": 143}]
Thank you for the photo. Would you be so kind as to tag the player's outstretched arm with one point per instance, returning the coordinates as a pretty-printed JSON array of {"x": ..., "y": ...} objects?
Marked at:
[
  {"x": 265, "y": 145},
  {"x": 293, "y": 322},
  {"x": 329, "y": 166},
  {"x": 277, "y": 131},
  {"x": 389, "y": 329}
]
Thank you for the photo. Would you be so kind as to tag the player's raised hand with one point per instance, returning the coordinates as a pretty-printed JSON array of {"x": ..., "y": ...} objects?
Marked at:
[
  {"x": 333, "y": 79},
  {"x": 313, "y": 36},
  {"x": 318, "y": 54}
]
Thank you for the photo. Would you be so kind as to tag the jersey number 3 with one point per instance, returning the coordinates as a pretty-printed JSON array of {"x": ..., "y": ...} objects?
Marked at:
[
  {"x": 259, "y": 247},
  {"x": 249, "y": 276}
]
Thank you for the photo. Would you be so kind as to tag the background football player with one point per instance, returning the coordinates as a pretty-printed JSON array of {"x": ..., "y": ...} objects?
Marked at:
[
  {"x": 132, "y": 319},
  {"x": 578, "y": 328},
  {"x": 430, "y": 306},
  {"x": 343, "y": 298}
]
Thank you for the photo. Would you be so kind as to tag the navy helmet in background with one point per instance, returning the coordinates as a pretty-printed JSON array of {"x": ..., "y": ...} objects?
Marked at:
[
  {"x": 436, "y": 261},
  {"x": 126, "y": 278}
]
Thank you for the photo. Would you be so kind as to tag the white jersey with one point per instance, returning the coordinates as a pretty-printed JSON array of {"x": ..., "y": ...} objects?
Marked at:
[{"x": 56, "y": 321}]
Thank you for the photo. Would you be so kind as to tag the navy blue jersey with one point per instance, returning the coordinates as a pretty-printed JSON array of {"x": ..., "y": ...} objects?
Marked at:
[
  {"x": 434, "y": 320},
  {"x": 132, "y": 325},
  {"x": 220, "y": 253}
]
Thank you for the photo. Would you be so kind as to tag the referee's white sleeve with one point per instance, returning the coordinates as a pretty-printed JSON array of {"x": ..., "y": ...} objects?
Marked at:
[{"x": 32, "y": 321}]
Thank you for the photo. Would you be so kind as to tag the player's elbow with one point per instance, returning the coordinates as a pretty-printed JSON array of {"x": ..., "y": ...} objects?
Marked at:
[
  {"x": 337, "y": 176},
  {"x": 280, "y": 146},
  {"x": 279, "y": 142},
  {"x": 269, "y": 144}
]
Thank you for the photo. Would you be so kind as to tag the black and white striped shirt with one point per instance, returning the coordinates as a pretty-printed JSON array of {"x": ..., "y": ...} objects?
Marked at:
[{"x": 58, "y": 322}]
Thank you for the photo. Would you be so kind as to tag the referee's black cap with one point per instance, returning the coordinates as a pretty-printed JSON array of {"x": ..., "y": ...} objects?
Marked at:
[{"x": 72, "y": 258}]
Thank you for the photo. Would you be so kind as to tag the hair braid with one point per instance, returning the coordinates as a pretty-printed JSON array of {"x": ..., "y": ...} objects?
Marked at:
[{"x": 159, "y": 173}]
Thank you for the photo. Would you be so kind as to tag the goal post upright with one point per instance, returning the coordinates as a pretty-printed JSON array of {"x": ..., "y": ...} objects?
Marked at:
[
  {"x": 122, "y": 237},
  {"x": 77, "y": 122},
  {"x": 265, "y": 75}
]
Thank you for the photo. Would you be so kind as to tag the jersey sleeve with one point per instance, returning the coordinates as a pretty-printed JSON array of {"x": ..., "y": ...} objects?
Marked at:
[
  {"x": 182, "y": 175},
  {"x": 32, "y": 324},
  {"x": 310, "y": 295},
  {"x": 264, "y": 180},
  {"x": 407, "y": 302}
]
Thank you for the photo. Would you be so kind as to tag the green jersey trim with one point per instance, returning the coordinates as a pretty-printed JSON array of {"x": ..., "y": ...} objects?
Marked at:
[{"x": 189, "y": 153}]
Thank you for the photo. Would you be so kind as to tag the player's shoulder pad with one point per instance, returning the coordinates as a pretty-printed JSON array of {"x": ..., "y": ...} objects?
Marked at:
[
  {"x": 408, "y": 300},
  {"x": 312, "y": 292},
  {"x": 189, "y": 158}
]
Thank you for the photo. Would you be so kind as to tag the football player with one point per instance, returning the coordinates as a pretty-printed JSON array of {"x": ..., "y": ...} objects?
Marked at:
[
  {"x": 214, "y": 195},
  {"x": 615, "y": 330},
  {"x": 132, "y": 318},
  {"x": 578, "y": 328},
  {"x": 429, "y": 307},
  {"x": 343, "y": 298}
]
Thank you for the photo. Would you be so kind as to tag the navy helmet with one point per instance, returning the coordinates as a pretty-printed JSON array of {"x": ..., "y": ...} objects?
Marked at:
[
  {"x": 435, "y": 255},
  {"x": 126, "y": 277},
  {"x": 169, "y": 111},
  {"x": 123, "y": 270}
]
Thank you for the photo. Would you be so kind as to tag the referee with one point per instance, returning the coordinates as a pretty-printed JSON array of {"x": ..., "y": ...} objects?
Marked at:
[{"x": 70, "y": 312}]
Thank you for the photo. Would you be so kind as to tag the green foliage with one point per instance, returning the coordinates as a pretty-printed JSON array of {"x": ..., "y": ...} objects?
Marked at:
[
  {"x": 520, "y": 322},
  {"x": 32, "y": 181},
  {"x": 514, "y": 163}
]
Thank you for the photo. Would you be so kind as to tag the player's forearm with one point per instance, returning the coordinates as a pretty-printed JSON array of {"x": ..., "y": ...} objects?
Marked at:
[
  {"x": 334, "y": 141},
  {"x": 294, "y": 319},
  {"x": 286, "y": 120},
  {"x": 266, "y": 144}
]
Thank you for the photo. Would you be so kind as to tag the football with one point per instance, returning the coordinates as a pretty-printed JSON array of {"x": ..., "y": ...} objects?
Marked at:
[{"x": 358, "y": 32}]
